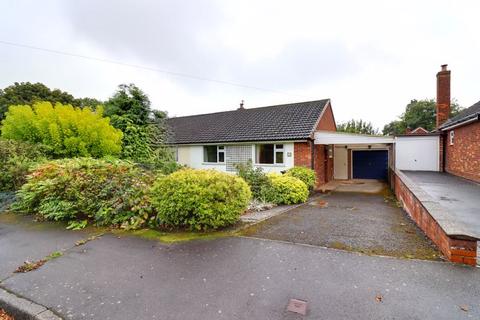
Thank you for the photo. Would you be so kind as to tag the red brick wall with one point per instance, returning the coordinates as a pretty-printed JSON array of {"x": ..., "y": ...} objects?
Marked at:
[
  {"x": 302, "y": 151},
  {"x": 327, "y": 121},
  {"x": 443, "y": 96},
  {"x": 302, "y": 154},
  {"x": 463, "y": 157},
  {"x": 455, "y": 250}
]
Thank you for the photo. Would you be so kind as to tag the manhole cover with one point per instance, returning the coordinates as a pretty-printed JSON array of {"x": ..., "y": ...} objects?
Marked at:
[{"x": 297, "y": 306}]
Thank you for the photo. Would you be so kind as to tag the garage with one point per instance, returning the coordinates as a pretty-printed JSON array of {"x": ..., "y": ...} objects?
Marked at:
[{"x": 370, "y": 164}]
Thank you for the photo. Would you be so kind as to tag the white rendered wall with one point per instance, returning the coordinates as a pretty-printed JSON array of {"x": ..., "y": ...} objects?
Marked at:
[{"x": 192, "y": 156}]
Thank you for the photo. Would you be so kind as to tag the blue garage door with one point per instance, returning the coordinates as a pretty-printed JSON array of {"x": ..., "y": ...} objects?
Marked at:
[{"x": 371, "y": 164}]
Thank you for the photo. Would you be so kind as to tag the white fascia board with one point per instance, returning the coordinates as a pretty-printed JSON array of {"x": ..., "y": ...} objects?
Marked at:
[{"x": 328, "y": 137}]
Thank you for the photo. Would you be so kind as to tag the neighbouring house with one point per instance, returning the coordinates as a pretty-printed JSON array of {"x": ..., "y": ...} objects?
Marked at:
[
  {"x": 460, "y": 135},
  {"x": 419, "y": 130}
]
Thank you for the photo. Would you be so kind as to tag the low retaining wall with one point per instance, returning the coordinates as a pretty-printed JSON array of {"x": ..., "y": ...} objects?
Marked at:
[{"x": 430, "y": 218}]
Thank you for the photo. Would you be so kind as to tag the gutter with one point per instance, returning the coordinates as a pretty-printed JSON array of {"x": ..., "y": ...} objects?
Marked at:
[{"x": 462, "y": 123}]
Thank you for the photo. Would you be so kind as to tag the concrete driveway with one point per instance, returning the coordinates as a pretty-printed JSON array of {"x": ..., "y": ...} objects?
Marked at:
[{"x": 368, "y": 223}]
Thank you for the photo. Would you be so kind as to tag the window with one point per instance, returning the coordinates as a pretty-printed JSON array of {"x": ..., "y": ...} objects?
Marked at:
[
  {"x": 269, "y": 154},
  {"x": 214, "y": 154},
  {"x": 452, "y": 137}
]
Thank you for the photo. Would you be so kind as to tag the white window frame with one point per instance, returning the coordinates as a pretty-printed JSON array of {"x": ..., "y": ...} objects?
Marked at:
[
  {"x": 220, "y": 149},
  {"x": 452, "y": 137},
  {"x": 275, "y": 150}
]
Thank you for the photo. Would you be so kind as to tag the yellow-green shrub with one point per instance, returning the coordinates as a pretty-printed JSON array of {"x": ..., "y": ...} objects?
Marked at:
[
  {"x": 287, "y": 189},
  {"x": 307, "y": 175},
  {"x": 199, "y": 199},
  {"x": 66, "y": 131}
]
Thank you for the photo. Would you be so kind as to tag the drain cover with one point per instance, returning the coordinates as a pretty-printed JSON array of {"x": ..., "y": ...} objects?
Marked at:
[{"x": 297, "y": 306}]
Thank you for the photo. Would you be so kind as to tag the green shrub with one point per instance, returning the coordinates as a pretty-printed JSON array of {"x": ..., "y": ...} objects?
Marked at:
[
  {"x": 199, "y": 199},
  {"x": 15, "y": 159},
  {"x": 258, "y": 181},
  {"x": 307, "y": 175},
  {"x": 105, "y": 192},
  {"x": 66, "y": 131},
  {"x": 287, "y": 189}
]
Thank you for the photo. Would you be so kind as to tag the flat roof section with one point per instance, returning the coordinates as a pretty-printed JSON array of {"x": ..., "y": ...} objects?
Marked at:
[{"x": 459, "y": 198}]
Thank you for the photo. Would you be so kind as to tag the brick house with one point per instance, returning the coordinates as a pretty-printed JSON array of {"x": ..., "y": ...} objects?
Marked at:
[
  {"x": 460, "y": 135},
  {"x": 274, "y": 138}
]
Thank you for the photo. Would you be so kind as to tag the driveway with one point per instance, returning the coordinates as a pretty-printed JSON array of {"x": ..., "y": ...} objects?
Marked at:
[{"x": 368, "y": 223}]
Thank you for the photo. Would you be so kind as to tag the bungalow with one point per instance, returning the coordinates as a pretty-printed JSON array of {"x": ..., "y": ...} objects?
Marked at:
[
  {"x": 277, "y": 138},
  {"x": 460, "y": 135}
]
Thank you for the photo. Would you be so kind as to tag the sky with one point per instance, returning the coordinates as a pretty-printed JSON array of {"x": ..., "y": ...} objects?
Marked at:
[{"x": 192, "y": 56}]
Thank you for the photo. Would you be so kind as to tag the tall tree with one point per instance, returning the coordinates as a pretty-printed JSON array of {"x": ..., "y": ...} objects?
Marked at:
[
  {"x": 26, "y": 93},
  {"x": 357, "y": 126},
  {"x": 418, "y": 113},
  {"x": 144, "y": 129}
]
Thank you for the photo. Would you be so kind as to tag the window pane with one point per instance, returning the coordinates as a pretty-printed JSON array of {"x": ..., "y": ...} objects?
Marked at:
[
  {"x": 279, "y": 157},
  {"x": 265, "y": 153},
  {"x": 221, "y": 147},
  {"x": 210, "y": 153},
  {"x": 221, "y": 156},
  {"x": 279, "y": 146}
]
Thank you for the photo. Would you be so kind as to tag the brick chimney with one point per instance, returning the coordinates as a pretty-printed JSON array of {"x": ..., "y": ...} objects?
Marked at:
[{"x": 443, "y": 95}]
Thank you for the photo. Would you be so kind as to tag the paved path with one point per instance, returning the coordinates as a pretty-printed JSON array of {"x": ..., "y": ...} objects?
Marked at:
[
  {"x": 460, "y": 197},
  {"x": 230, "y": 278}
]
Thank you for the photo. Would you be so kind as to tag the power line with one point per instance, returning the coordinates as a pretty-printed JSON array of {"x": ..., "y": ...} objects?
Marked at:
[{"x": 172, "y": 73}]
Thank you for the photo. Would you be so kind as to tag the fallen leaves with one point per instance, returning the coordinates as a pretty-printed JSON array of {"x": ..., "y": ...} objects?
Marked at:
[
  {"x": 83, "y": 241},
  {"x": 5, "y": 316},
  {"x": 30, "y": 266},
  {"x": 464, "y": 307}
]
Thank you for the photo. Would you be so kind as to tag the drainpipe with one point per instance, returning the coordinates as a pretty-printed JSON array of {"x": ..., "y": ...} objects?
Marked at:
[{"x": 312, "y": 154}]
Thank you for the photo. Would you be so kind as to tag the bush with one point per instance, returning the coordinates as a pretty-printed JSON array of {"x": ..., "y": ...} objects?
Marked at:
[
  {"x": 307, "y": 175},
  {"x": 15, "y": 160},
  {"x": 105, "y": 192},
  {"x": 66, "y": 131},
  {"x": 258, "y": 181},
  {"x": 199, "y": 199},
  {"x": 287, "y": 189}
]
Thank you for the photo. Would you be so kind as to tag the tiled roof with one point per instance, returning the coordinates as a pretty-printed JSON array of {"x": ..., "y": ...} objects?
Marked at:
[
  {"x": 465, "y": 115},
  {"x": 294, "y": 121}
]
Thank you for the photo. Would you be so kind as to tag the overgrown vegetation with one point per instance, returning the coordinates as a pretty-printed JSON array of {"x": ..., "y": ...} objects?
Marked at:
[
  {"x": 306, "y": 175},
  {"x": 16, "y": 158},
  {"x": 81, "y": 191},
  {"x": 199, "y": 199},
  {"x": 63, "y": 130},
  {"x": 259, "y": 183}
]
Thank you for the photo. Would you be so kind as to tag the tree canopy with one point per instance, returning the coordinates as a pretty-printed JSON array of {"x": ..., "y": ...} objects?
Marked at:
[
  {"x": 26, "y": 93},
  {"x": 145, "y": 129},
  {"x": 418, "y": 113},
  {"x": 357, "y": 126}
]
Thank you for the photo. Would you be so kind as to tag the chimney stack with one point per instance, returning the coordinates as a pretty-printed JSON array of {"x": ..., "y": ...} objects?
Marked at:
[
  {"x": 443, "y": 95},
  {"x": 241, "y": 106}
]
